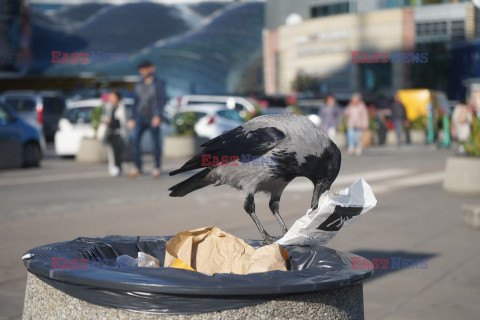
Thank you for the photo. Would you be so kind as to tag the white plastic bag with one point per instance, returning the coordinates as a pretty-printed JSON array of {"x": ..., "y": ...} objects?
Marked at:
[{"x": 334, "y": 212}]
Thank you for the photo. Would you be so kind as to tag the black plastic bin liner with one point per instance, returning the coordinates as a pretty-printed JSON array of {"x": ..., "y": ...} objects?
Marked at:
[{"x": 178, "y": 291}]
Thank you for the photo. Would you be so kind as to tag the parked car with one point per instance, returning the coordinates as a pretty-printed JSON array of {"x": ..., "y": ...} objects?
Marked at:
[
  {"x": 276, "y": 110},
  {"x": 74, "y": 125},
  {"x": 17, "y": 135},
  {"x": 42, "y": 109},
  {"x": 272, "y": 101},
  {"x": 241, "y": 104},
  {"x": 311, "y": 109},
  {"x": 213, "y": 119}
]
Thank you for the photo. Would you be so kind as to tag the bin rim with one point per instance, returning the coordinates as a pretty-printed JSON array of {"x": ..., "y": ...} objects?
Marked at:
[{"x": 333, "y": 270}]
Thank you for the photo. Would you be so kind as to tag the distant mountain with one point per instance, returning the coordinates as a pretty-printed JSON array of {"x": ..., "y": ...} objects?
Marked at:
[
  {"x": 67, "y": 17},
  {"x": 97, "y": 27},
  {"x": 131, "y": 27},
  {"x": 78, "y": 13},
  {"x": 209, "y": 58}
]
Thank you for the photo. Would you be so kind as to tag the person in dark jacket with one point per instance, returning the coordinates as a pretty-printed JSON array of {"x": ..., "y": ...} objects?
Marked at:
[
  {"x": 398, "y": 118},
  {"x": 150, "y": 99}
]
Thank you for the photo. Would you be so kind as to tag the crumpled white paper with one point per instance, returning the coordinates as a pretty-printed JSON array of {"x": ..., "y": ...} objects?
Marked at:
[{"x": 334, "y": 212}]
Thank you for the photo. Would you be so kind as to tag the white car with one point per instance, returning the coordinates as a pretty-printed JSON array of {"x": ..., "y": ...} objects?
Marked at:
[
  {"x": 276, "y": 110},
  {"x": 242, "y": 105},
  {"x": 74, "y": 125},
  {"x": 212, "y": 119},
  {"x": 311, "y": 109}
]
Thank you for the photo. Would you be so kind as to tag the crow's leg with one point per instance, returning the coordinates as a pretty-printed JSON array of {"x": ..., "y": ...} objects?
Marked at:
[
  {"x": 275, "y": 206},
  {"x": 249, "y": 206}
]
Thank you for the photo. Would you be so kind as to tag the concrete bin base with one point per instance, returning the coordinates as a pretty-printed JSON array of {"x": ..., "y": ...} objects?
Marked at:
[
  {"x": 471, "y": 216},
  {"x": 462, "y": 176},
  {"x": 43, "y": 302}
]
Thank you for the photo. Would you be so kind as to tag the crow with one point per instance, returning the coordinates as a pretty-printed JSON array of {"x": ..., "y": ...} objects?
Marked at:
[{"x": 264, "y": 155}]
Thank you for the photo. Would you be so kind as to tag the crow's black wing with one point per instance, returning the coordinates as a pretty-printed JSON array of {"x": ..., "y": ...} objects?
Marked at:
[{"x": 236, "y": 142}]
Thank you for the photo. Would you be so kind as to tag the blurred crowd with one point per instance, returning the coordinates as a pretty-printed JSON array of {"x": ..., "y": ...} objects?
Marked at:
[
  {"x": 120, "y": 118},
  {"x": 358, "y": 117}
]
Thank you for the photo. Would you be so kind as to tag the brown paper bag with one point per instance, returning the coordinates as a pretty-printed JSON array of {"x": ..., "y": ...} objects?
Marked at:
[
  {"x": 211, "y": 250},
  {"x": 268, "y": 258}
]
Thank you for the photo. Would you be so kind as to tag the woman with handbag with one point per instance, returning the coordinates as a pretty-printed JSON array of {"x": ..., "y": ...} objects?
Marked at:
[
  {"x": 116, "y": 133},
  {"x": 356, "y": 115}
]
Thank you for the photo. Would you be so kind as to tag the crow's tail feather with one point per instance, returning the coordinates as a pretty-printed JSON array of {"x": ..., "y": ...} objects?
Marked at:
[{"x": 195, "y": 182}]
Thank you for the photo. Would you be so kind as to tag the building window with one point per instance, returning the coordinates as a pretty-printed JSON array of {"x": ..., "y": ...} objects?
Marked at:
[
  {"x": 330, "y": 10},
  {"x": 395, "y": 3},
  {"x": 432, "y": 28},
  {"x": 458, "y": 30},
  {"x": 440, "y": 31}
]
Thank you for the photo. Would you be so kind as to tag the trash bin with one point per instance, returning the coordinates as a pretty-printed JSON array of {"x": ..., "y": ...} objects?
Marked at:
[{"x": 78, "y": 279}]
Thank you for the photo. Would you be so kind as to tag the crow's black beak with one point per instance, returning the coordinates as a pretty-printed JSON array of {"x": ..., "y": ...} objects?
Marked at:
[{"x": 320, "y": 187}]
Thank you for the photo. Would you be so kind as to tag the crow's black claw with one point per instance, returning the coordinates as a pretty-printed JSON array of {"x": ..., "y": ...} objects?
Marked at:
[{"x": 268, "y": 239}]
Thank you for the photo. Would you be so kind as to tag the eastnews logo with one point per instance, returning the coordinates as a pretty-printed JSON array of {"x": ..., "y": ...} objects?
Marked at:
[
  {"x": 385, "y": 57},
  {"x": 245, "y": 160},
  {"x": 75, "y": 264},
  {"x": 59, "y": 263},
  {"x": 85, "y": 57},
  {"x": 393, "y": 263}
]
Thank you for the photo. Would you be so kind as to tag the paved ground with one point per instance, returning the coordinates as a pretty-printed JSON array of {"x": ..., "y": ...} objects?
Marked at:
[{"x": 414, "y": 219}]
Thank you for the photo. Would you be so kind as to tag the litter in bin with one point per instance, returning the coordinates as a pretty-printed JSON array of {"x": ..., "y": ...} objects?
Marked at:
[
  {"x": 143, "y": 260},
  {"x": 148, "y": 261},
  {"x": 335, "y": 210},
  {"x": 211, "y": 250}
]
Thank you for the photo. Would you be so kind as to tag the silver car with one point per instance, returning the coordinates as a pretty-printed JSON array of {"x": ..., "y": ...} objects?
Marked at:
[
  {"x": 41, "y": 109},
  {"x": 211, "y": 119}
]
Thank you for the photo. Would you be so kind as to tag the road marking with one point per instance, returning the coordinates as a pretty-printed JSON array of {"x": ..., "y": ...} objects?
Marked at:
[
  {"x": 408, "y": 182},
  {"x": 374, "y": 175},
  {"x": 345, "y": 180},
  {"x": 397, "y": 179},
  {"x": 407, "y": 178},
  {"x": 52, "y": 178}
]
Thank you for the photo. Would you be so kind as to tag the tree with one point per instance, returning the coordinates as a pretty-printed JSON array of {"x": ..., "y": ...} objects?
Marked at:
[{"x": 305, "y": 83}]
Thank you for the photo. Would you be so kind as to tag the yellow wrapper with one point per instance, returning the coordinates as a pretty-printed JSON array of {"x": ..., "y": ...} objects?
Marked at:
[{"x": 179, "y": 264}]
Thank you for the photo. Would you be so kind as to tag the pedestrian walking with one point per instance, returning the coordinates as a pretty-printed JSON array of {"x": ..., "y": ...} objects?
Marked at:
[
  {"x": 150, "y": 99},
  {"x": 399, "y": 116},
  {"x": 381, "y": 112},
  {"x": 116, "y": 134},
  {"x": 356, "y": 115},
  {"x": 462, "y": 120},
  {"x": 330, "y": 116}
]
